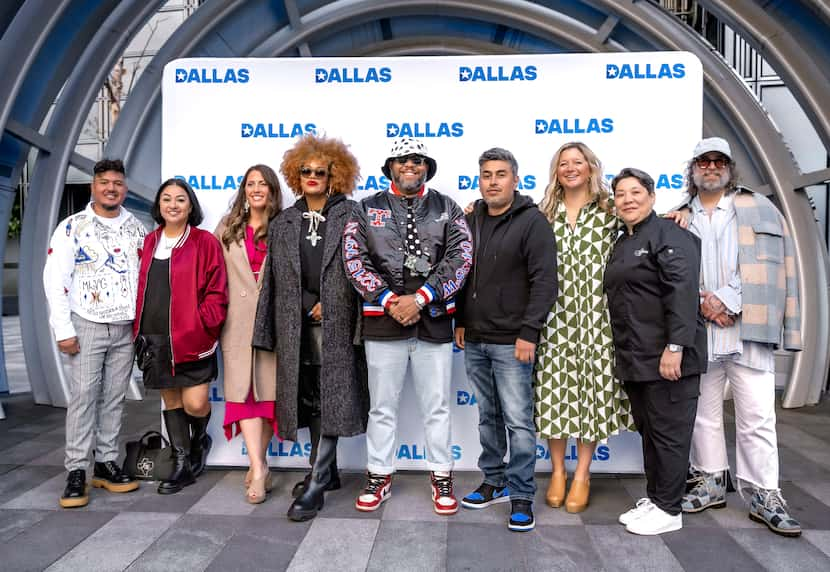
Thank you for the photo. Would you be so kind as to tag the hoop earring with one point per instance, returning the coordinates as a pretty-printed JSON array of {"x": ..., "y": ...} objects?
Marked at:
[
  {"x": 246, "y": 207},
  {"x": 328, "y": 191}
]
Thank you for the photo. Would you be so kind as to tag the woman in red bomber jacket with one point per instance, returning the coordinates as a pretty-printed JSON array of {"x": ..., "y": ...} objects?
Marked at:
[{"x": 182, "y": 304}]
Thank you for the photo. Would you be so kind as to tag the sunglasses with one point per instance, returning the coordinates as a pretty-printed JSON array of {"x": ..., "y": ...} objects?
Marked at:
[
  {"x": 703, "y": 162},
  {"x": 416, "y": 160},
  {"x": 308, "y": 172}
]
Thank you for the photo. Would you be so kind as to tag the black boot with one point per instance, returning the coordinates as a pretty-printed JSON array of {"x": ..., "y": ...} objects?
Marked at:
[
  {"x": 334, "y": 482},
  {"x": 306, "y": 506},
  {"x": 200, "y": 443},
  {"x": 178, "y": 431}
]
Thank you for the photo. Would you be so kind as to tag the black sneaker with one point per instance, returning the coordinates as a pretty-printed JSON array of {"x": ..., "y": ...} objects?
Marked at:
[
  {"x": 108, "y": 476},
  {"x": 75, "y": 494},
  {"x": 521, "y": 516},
  {"x": 485, "y": 495}
]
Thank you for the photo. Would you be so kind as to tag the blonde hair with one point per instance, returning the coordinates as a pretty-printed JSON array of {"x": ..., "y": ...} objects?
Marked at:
[{"x": 554, "y": 193}]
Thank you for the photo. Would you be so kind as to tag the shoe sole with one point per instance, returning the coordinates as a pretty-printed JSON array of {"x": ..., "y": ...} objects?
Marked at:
[
  {"x": 521, "y": 527},
  {"x": 476, "y": 506},
  {"x": 372, "y": 508},
  {"x": 576, "y": 509},
  {"x": 445, "y": 511},
  {"x": 672, "y": 528},
  {"x": 553, "y": 504},
  {"x": 716, "y": 505},
  {"x": 174, "y": 491},
  {"x": 780, "y": 531},
  {"x": 75, "y": 502},
  {"x": 113, "y": 487}
]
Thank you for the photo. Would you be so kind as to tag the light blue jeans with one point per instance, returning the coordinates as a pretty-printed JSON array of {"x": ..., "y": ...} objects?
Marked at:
[
  {"x": 504, "y": 391},
  {"x": 431, "y": 373}
]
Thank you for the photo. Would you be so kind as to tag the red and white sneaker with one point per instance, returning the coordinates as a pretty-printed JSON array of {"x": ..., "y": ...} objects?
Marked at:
[
  {"x": 443, "y": 500},
  {"x": 378, "y": 489}
]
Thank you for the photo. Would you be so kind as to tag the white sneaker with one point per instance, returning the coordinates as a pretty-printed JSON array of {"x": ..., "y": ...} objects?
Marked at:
[
  {"x": 643, "y": 506},
  {"x": 655, "y": 521}
]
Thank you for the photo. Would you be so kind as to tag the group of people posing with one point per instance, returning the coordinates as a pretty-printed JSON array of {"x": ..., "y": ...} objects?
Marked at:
[{"x": 579, "y": 318}]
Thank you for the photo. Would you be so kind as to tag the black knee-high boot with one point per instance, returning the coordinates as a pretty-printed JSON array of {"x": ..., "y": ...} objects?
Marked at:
[
  {"x": 334, "y": 482},
  {"x": 178, "y": 430},
  {"x": 306, "y": 506},
  {"x": 200, "y": 443}
]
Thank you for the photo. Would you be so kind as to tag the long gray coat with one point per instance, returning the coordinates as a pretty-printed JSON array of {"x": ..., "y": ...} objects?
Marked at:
[{"x": 344, "y": 393}]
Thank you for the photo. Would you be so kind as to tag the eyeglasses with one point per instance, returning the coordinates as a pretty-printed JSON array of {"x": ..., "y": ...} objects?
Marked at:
[
  {"x": 308, "y": 172},
  {"x": 416, "y": 159},
  {"x": 703, "y": 162}
]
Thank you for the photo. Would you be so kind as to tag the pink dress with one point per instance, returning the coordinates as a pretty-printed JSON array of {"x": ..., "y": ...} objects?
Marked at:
[{"x": 235, "y": 412}]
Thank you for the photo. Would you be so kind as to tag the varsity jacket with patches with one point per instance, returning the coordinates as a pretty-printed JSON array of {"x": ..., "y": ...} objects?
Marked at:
[{"x": 374, "y": 254}]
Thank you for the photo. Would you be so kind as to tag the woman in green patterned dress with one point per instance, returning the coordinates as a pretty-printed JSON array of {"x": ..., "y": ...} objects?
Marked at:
[{"x": 577, "y": 394}]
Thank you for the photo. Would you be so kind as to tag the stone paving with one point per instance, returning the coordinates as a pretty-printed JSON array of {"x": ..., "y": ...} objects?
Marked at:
[{"x": 209, "y": 526}]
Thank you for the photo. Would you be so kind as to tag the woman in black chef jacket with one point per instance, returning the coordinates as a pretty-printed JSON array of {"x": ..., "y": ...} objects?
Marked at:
[{"x": 651, "y": 281}]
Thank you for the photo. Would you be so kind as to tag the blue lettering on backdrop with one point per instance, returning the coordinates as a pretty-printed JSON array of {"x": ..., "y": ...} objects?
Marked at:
[
  {"x": 416, "y": 452},
  {"x": 497, "y": 73},
  {"x": 214, "y": 391},
  {"x": 352, "y": 75},
  {"x": 465, "y": 398},
  {"x": 373, "y": 183},
  {"x": 212, "y": 75},
  {"x": 467, "y": 183},
  {"x": 277, "y": 130},
  {"x": 666, "y": 181},
  {"x": 425, "y": 129},
  {"x": 662, "y": 181},
  {"x": 645, "y": 71},
  {"x": 561, "y": 126},
  {"x": 212, "y": 182},
  {"x": 601, "y": 453}
]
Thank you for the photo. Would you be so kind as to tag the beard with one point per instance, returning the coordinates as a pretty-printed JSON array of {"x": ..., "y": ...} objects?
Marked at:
[
  {"x": 411, "y": 187},
  {"x": 711, "y": 186},
  {"x": 110, "y": 208}
]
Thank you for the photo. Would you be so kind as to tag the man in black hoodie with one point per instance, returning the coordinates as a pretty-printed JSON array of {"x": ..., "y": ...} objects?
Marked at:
[{"x": 501, "y": 312}]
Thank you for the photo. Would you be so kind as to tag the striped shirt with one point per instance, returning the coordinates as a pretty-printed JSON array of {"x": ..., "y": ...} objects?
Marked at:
[{"x": 720, "y": 274}]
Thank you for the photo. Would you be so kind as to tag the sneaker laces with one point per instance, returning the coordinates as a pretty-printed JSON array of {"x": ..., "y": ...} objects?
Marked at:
[
  {"x": 76, "y": 478},
  {"x": 374, "y": 484},
  {"x": 771, "y": 499},
  {"x": 443, "y": 485}
]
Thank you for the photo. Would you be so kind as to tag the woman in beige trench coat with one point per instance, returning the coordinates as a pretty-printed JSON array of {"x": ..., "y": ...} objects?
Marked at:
[{"x": 249, "y": 373}]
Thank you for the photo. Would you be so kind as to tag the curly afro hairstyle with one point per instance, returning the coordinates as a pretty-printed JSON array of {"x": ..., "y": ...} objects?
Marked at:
[{"x": 343, "y": 168}]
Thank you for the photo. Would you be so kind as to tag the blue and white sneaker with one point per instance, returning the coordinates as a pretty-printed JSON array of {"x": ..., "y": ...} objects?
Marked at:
[
  {"x": 485, "y": 495},
  {"x": 521, "y": 516}
]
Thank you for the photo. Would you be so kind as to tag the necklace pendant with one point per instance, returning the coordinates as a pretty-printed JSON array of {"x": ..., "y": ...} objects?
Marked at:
[{"x": 313, "y": 237}]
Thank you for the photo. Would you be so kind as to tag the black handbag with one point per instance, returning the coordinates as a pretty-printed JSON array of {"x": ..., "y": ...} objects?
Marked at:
[{"x": 150, "y": 458}]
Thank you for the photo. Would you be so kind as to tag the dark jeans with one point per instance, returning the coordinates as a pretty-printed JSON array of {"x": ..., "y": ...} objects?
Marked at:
[
  {"x": 664, "y": 413},
  {"x": 504, "y": 390}
]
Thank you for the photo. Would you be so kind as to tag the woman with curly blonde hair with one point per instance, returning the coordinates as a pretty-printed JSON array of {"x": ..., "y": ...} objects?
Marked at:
[
  {"x": 577, "y": 394},
  {"x": 249, "y": 374},
  {"x": 306, "y": 298}
]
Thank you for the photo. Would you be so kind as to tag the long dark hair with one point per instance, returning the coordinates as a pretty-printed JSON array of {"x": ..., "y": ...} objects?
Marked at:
[{"x": 237, "y": 218}]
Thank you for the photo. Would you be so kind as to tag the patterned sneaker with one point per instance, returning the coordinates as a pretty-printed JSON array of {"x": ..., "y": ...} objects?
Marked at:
[
  {"x": 378, "y": 489},
  {"x": 485, "y": 495},
  {"x": 643, "y": 506},
  {"x": 709, "y": 491},
  {"x": 767, "y": 506},
  {"x": 521, "y": 516},
  {"x": 443, "y": 501}
]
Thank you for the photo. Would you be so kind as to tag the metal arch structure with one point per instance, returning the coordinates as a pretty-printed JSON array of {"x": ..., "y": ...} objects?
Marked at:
[{"x": 79, "y": 40}]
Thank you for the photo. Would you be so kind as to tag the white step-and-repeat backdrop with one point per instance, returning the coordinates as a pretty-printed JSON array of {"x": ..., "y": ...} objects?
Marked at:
[{"x": 633, "y": 109}]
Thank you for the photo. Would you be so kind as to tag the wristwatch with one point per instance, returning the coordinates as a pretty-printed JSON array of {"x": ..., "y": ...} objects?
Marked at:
[
  {"x": 420, "y": 300},
  {"x": 674, "y": 348}
]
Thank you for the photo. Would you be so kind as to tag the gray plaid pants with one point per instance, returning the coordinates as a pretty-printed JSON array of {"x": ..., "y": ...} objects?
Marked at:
[{"x": 100, "y": 376}]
